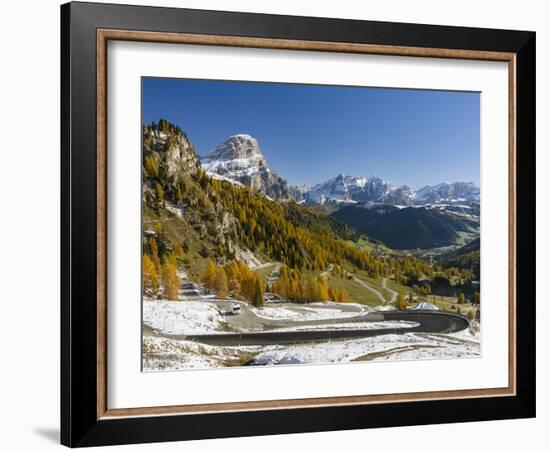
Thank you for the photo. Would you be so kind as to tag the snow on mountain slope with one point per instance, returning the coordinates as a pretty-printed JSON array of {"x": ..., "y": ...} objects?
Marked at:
[
  {"x": 374, "y": 190},
  {"x": 349, "y": 189},
  {"x": 240, "y": 159},
  {"x": 458, "y": 191}
]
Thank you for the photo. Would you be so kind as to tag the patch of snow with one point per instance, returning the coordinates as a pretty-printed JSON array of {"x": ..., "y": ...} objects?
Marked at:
[
  {"x": 182, "y": 317},
  {"x": 410, "y": 346},
  {"x": 217, "y": 176},
  {"x": 162, "y": 354},
  {"x": 174, "y": 210},
  {"x": 302, "y": 313}
]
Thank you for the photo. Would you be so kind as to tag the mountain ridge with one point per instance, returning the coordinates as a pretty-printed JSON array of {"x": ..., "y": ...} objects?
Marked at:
[
  {"x": 239, "y": 159},
  {"x": 405, "y": 228}
]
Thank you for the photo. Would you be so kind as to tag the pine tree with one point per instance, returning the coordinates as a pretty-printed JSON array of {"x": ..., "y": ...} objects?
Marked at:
[
  {"x": 221, "y": 285},
  {"x": 401, "y": 303},
  {"x": 178, "y": 250},
  {"x": 159, "y": 193},
  {"x": 170, "y": 282},
  {"x": 323, "y": 289},
  {"x": 150, "y": 276},
  {"x": 461, "y": 299},
  {"x": 258, "y": 299},
  {"x": 209, "y": 277},
  {"x": 151, "y": 166},
  {"x": 154, "y": 252},
  {"x": 312, "y": 290},
  {"x": 344, "y": 295}
]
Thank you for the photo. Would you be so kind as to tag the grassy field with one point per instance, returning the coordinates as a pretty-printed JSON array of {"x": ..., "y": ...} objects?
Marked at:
[
  {"x": 357, "y": 293},
  {"x": 375, "y": 283},
  {"x": 450, "y": 304},
  {"x": 403, "y": 290}
]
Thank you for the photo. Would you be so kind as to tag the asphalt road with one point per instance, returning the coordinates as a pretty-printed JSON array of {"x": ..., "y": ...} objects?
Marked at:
[{"x": 428, "y": 322}]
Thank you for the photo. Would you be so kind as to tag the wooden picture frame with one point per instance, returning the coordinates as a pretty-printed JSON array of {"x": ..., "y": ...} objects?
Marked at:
[{"x": 86, "y": 418}]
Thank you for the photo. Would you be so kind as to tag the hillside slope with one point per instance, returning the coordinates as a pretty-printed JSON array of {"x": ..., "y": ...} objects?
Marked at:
[
  {"x": 465, "y": 257},
  {"x": 212, "y": 218},
  {"x": 406, "y": 228}
]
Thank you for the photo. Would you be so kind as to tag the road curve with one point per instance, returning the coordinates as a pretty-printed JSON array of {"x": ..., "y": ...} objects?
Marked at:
[{"x": 428, "y": 322}]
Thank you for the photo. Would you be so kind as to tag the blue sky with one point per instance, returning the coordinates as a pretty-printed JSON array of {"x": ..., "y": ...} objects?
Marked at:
[{"x": 311, "y": 133}]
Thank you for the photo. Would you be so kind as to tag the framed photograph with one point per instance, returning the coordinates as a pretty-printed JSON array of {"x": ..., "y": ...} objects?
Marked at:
[{"x": 276, "y": 224}]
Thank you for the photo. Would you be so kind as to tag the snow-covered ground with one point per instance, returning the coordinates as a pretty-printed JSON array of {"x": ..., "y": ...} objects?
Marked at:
[
  {"x": 411, "y": 346},
  {"x": 182, "y": 317},
  {"x": 302, "y": 313},
  {"x": 170, "y": 354},
  {"x": 203, "y": 317}
]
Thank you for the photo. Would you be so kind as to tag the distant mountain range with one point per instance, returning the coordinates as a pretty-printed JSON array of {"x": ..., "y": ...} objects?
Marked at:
[
  {"x": 402, "y": 218},
  {"x": 239, "y": 159}
]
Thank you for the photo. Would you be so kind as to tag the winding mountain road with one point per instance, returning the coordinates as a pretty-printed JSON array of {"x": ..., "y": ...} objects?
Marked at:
[{"x": 428, "y": 322}]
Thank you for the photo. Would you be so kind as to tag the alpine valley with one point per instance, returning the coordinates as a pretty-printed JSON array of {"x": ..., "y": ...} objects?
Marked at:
[{"x": 247, "y": 250}]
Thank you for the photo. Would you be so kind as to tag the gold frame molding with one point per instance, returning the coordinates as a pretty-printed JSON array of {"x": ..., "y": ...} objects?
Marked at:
[{"x": 105, "y": 35}]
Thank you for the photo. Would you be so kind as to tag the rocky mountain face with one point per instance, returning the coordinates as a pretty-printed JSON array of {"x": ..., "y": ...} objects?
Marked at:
[
  {"x": 239, "y": 159},
  {"x": 348, "y": 189},
  {"x": 299, "y": 193},
  {"x": 373, "y": 190},
  {"x": 448, "y": 192},
  {"x": 172, "y": 151}
]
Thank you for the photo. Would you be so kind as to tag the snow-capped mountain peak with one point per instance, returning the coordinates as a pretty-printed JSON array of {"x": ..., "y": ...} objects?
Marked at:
[
  {"x": 239, "y": 158},
  {"x": 459, "y": 191},
  {"x": 350, "y": 189},
  {"x": 375, "y": 190}
]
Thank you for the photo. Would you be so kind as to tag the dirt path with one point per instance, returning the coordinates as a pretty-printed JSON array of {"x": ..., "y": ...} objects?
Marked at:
[
  {"x": 391, "y": 291},
  {"x": 374, "y": 291}
]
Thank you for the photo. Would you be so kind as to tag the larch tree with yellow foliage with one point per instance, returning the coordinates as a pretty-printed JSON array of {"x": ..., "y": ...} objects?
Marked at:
[
  {"x": 220, "y": 282},
  {"x": 323, "y": 289},
  {"x": 209, "y": 277},
  {"x": 344, "y": 295},
  {"x": 150, "y": 278},
  {"x": 170, "y": 282},
  {"x": 401, "y": 302}
]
